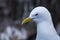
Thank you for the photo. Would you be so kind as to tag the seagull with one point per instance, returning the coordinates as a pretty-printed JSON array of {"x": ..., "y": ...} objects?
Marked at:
[{"x": 45, "y": 28}]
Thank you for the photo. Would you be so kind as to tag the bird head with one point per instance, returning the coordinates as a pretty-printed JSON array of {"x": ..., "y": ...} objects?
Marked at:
[{"x": 38, "y": 15}]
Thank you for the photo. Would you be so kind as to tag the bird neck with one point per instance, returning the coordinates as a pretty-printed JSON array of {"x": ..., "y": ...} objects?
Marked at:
[
  {"x": 46, "y": 31},
  {"x": 45, "y": 27}
]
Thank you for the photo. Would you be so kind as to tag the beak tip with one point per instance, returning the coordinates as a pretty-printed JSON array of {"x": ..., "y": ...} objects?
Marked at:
[{"x": 26, "y": 20}]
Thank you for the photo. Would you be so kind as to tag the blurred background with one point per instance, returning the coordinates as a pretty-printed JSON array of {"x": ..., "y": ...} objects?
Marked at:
[{"x": 12, "y": 12}]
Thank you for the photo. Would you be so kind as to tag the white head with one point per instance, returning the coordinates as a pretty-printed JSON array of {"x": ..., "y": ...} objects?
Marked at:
[{"x": 38, "y": 14}]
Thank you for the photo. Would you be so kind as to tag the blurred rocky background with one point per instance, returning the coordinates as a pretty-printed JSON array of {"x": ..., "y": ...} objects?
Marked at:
[{"x": 12, "y": 12}]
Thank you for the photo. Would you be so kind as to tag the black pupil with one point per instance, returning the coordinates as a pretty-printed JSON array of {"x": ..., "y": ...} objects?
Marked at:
[{"x": 36, "y": 14}]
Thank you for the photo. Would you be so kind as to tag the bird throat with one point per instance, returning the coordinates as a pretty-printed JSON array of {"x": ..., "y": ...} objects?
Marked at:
[{"x": 45, "y": 29}]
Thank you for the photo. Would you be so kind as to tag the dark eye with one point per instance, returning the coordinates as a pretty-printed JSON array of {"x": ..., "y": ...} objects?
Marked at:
[{"x": 36, "y": 14}]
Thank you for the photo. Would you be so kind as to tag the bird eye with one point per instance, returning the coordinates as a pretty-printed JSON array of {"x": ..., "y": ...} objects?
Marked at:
[{"x": 36, "y": 14}]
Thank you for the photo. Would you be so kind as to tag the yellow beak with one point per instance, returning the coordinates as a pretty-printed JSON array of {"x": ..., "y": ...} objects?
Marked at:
[{"x": 26, "y": 20}]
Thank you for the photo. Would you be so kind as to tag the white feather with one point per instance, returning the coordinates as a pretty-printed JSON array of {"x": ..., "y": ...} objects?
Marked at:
[{"x": 45, "y": 28}]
